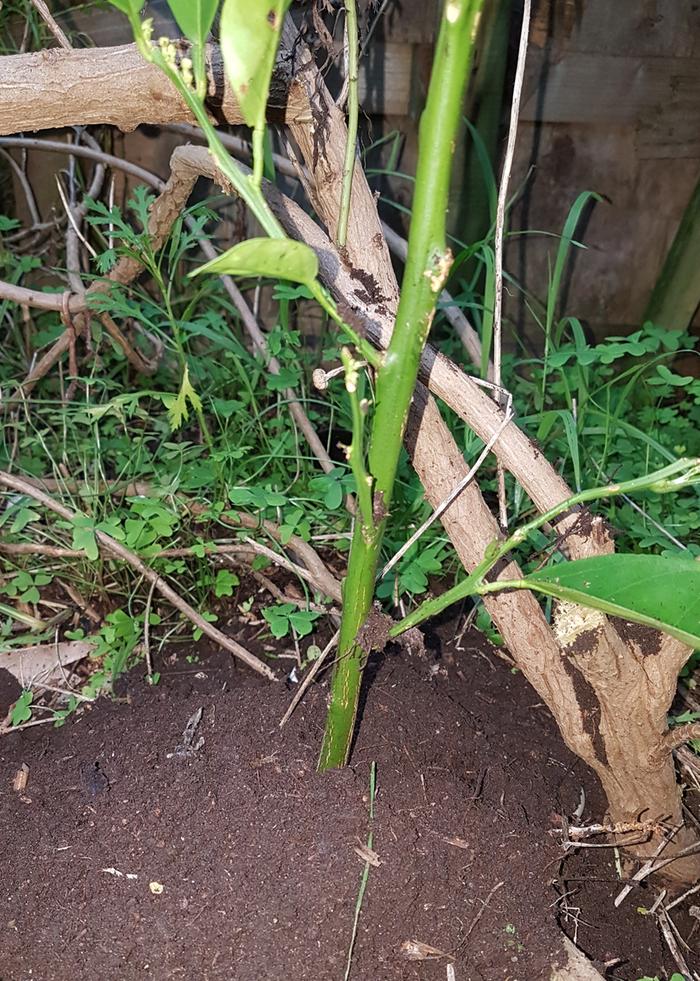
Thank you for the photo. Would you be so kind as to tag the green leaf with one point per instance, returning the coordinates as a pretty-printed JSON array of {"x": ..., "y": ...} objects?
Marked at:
[
  {"x": 22, "y": 709},
  {"x": 8, "y": 224},
  {"x": 303, "y": 621},
  {"x": 276, "y": 258},
  {"x": 225, "y": 583},
  {"x": 194, "y": 17},
  {"x": 250, "y": 33},
  {"x": 131, "y": 8},
  {"x": 22, "y": 518},
  {"x": 654, "y": 590},
  {"x": 177, "y": 410},
  {"x": 84, "y": 537},
  {"x": 278, "y": 619}
]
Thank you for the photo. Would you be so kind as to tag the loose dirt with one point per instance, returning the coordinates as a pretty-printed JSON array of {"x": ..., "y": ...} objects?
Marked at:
[{"x": 136, "y": 853}]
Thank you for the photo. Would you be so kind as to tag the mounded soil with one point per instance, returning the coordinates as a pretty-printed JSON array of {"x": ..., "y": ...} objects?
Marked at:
[{"x": 237, "y": 861}]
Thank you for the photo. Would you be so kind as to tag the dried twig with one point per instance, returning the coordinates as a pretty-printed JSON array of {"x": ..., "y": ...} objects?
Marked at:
[
  {"x": 683, "y": 896},
  {"x": 48, "y": 18},
  {"x": 650, "y": 866},
  {"x": 6, "y": 729},
  {"x": 309, "y": 677},
  {"x": 117, "y": 550},
  {"x": 147, "y": 633},
  {"x": 669, "y": 931},
  {"x": 452, "y": 496},
  {"x": 481, "y": 912}
]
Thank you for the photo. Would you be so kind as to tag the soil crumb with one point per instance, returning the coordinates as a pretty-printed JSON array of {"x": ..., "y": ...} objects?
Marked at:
[{"x": 132, "y": 855}]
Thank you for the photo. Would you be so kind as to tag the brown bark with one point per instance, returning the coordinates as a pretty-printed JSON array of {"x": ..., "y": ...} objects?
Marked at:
[
  {"x": 87, "y": 86},
  {"x": 596, "y": 699}
]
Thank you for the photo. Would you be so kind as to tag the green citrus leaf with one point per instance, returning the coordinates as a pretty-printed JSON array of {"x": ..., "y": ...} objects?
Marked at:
[
  {"x": 128, "y": 7},
  {"x": 276, "y": 258},
  {"x": 194, "y": 17},
  {"x": 250, "y": 31},
  {"x": 650, "y": 589}
]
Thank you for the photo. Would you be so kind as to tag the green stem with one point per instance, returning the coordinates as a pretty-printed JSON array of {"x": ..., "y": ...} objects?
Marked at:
[
  {"x": 353, "y": 113},
  {"x": 247, "y": 186},
  {"x": 680, "y": 474},
  {"x": 427, "y": 265},
  {"x": 324, "y": 300},
  {"x": 258, "y": 155},
  {"x": 355, "y": 451},
  {"x": 244, "y": 184}
]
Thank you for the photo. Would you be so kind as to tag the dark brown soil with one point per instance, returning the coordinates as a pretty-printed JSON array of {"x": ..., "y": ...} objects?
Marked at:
[{"x": 255, "y": 852}]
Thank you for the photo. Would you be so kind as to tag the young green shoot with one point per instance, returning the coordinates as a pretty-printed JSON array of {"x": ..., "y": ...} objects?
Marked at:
[
  {"x": 365, "y": 871},
  {"x": 682, "y": 473},
  {"x": 351, "y": 43}
]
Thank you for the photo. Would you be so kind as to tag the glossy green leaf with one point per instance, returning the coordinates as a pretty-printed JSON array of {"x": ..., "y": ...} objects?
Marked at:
[
  {"x": 649, "y": 589},
  {"x": 276, "y": 258},
  {"x": 194, "y": 17},
  {"x": 250, "y": 31},
  {"x": 129, "y": 7}
]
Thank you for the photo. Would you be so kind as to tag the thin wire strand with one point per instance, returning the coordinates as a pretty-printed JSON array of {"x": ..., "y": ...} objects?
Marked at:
[{"x": 500, "y": 228}]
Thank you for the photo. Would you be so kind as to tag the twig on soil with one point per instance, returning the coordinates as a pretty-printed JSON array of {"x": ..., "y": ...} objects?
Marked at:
[
  {"x": 5, "y": 730},
  {"x": 574, "y": 834},
  {"x": 679, "y": 900},
  {"x": 283, "y": 597},
  {"x": 480, "y": 913},
  {"x": 668, "y": 931},
  {"x": 61, "y": 691},
  {"x": 311, "y": 674},
  {"x": 117, "y": 550},
  {"x": 79, "y": 601},
  {"x": 649, "y": 866}
]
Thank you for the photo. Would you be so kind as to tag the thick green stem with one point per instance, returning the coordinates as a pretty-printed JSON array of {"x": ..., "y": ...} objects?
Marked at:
[
  {"x": 427, "y": 264},
  {"x": 353, "y": 113},
  {"x": 355, "y": 452}
]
